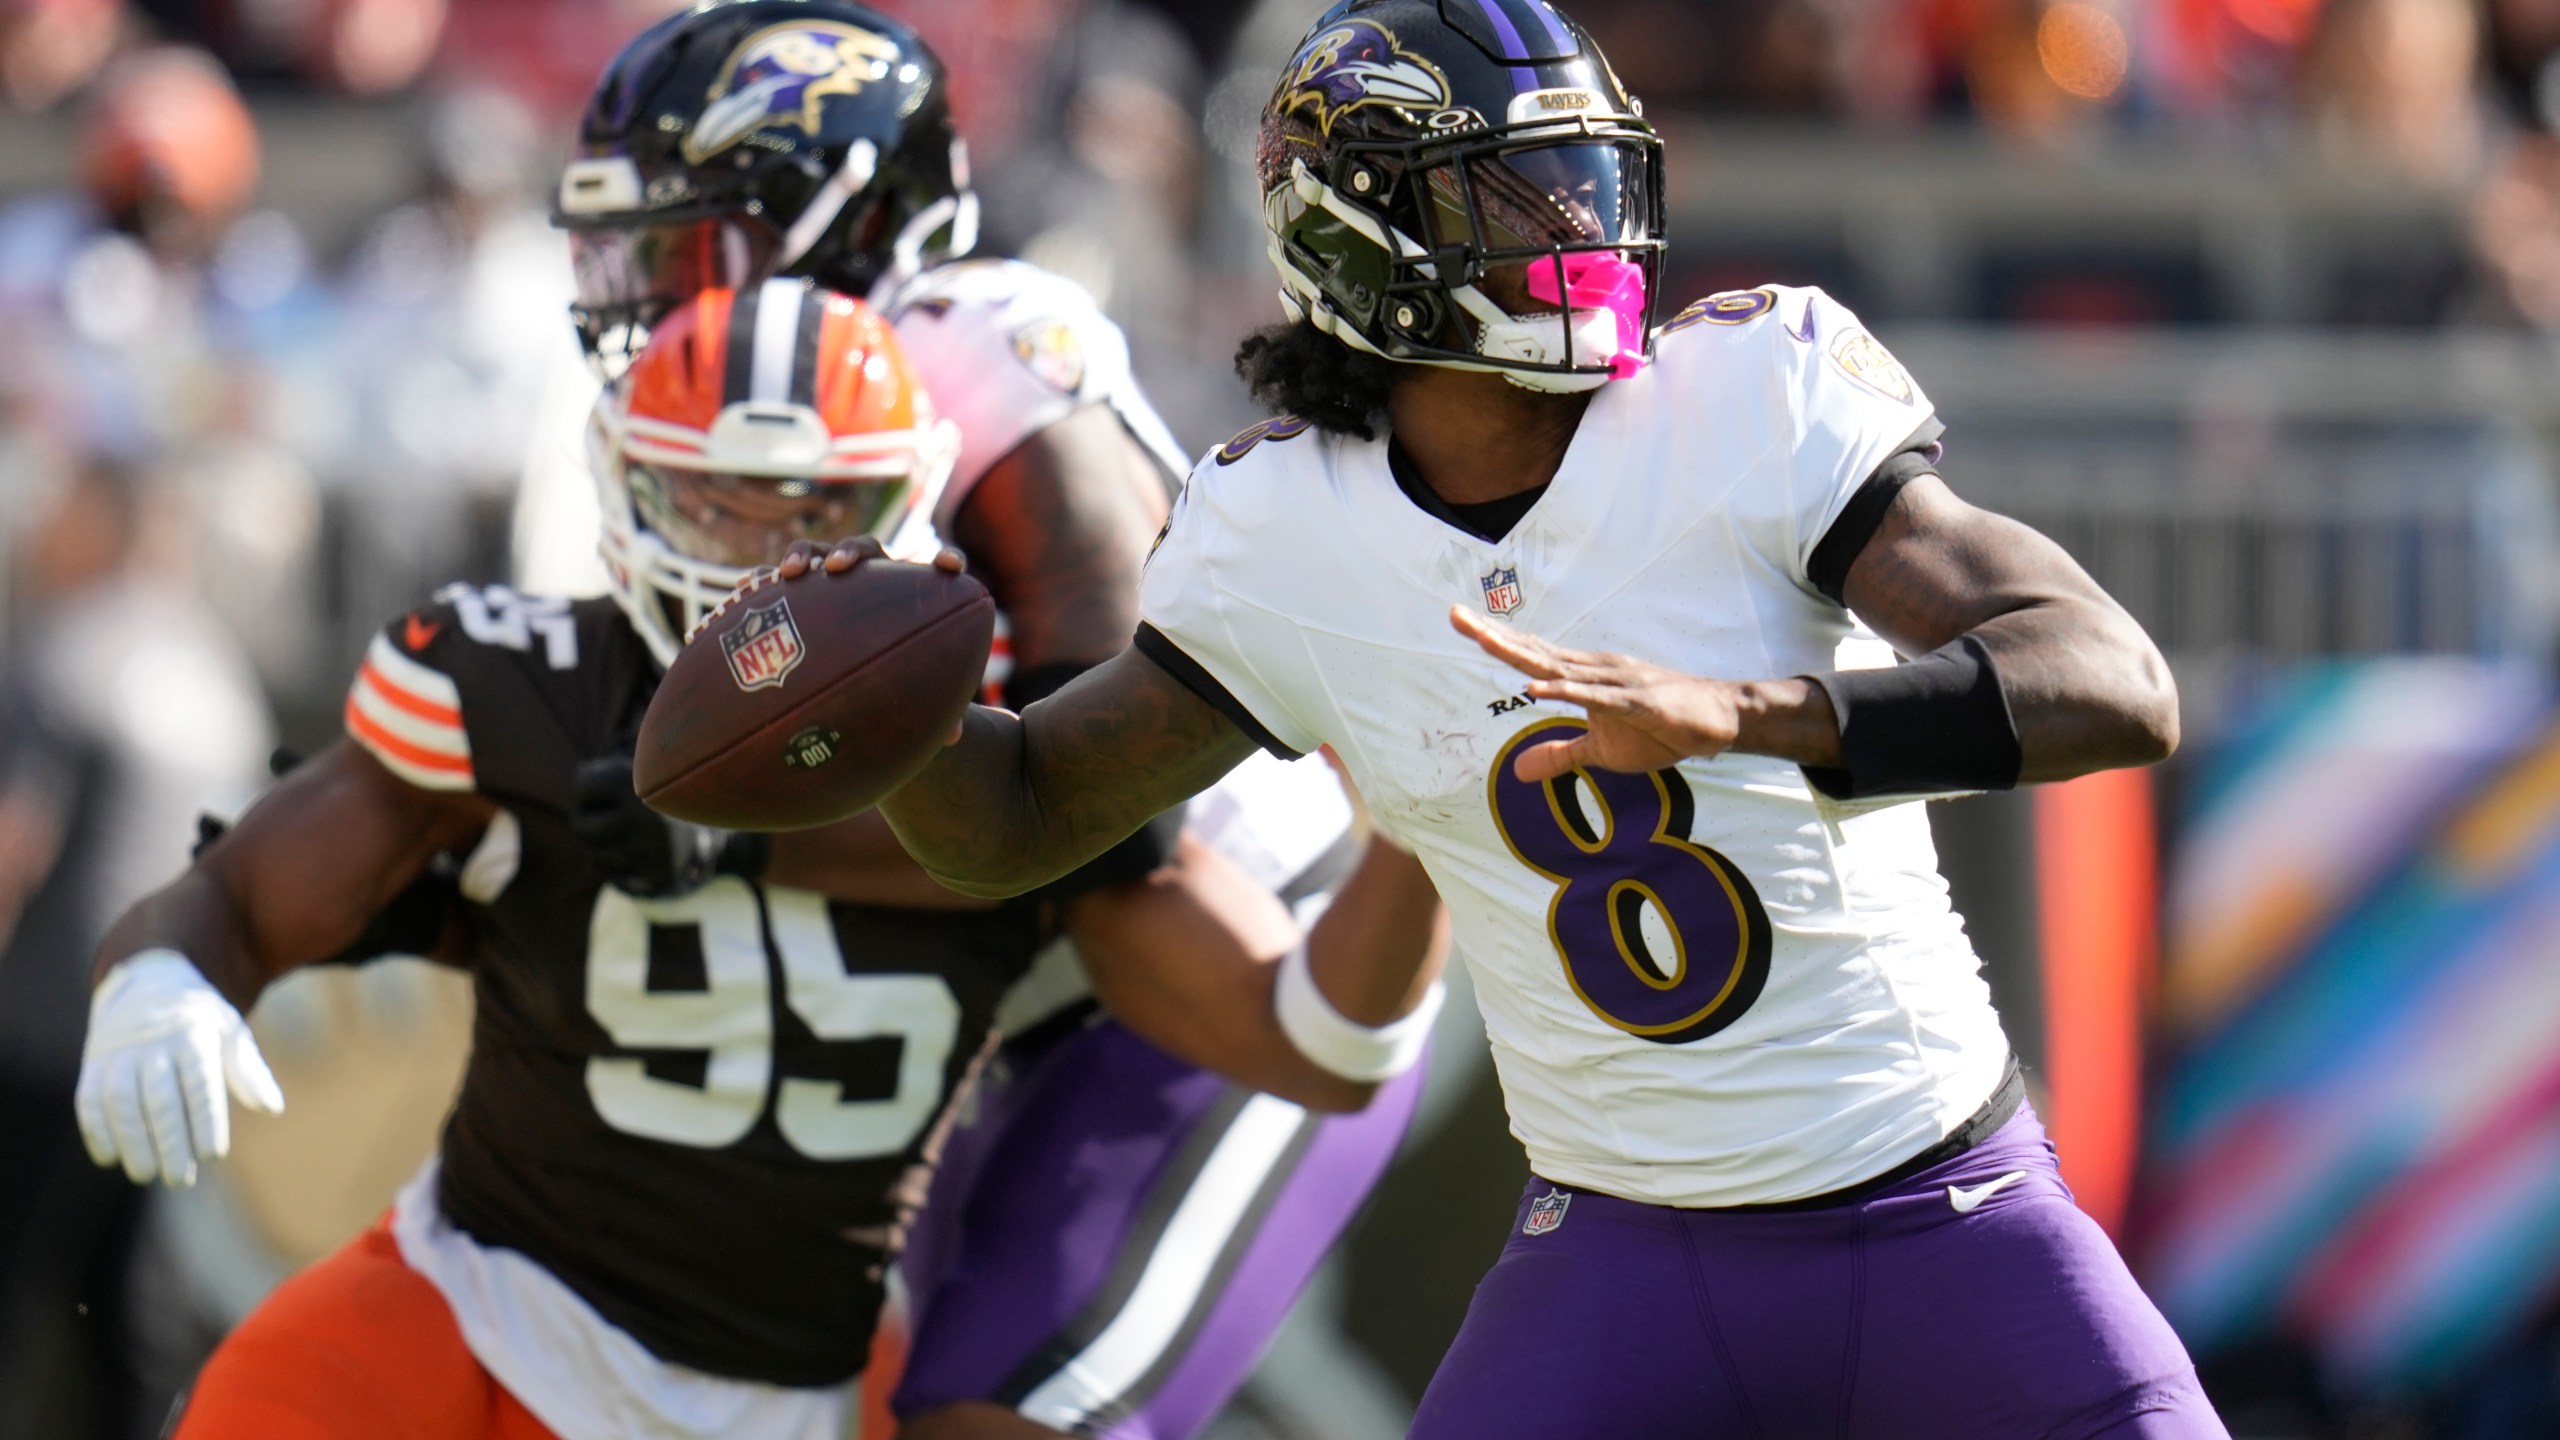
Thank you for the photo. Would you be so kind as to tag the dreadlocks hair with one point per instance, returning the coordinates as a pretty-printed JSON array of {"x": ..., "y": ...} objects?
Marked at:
[{"x": 1296, "y": 369}]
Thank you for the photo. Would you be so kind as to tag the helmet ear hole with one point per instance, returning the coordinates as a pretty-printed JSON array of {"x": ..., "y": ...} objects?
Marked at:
[{"x": 1417, "y": 316}]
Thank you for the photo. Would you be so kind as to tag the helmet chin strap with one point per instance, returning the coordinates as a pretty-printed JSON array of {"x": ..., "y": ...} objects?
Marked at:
[{"x": 1542, "y": 340}]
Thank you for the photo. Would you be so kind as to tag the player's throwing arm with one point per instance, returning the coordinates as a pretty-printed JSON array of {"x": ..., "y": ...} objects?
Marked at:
[
  {"x": 1012, "y": 803},
  {"x": 2027, "y": 672}
]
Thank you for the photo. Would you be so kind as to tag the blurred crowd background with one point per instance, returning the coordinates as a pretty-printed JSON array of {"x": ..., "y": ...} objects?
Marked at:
[{"x": 2250, "y": 303}]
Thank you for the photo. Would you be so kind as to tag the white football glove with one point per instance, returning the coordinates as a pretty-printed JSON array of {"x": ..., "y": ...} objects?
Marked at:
[{"x": 163, "y": 1049}]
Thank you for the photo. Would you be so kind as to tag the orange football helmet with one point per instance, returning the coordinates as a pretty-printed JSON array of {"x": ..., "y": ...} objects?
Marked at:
[{"x": 754, "y": 418}]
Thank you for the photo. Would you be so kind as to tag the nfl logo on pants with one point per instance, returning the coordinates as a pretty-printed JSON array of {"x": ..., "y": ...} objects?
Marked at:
[
  {"x": 1502, "y": 591},
  {"x": 1546, "y": 1213}
]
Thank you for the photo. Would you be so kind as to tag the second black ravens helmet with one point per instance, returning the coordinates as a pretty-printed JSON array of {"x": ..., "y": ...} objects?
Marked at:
[{"x": 743, "y": 140}]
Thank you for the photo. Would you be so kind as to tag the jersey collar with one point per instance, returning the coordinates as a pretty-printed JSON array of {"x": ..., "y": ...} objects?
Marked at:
[{"x": 1445, "y": 559}]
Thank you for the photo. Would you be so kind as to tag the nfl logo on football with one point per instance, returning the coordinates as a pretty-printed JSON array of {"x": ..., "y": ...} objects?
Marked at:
[
  {"x": 1502, "y": 592},
  {"x": 1546, "y": 1213},
  {"x": 764, "y": 647}
]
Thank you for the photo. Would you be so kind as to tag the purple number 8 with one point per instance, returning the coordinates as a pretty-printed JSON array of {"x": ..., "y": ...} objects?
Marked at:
[{"x": 1607, "y": 868}]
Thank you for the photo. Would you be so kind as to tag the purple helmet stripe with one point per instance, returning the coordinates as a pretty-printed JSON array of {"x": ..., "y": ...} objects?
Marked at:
[
  {"x": 1547, "y": 16},
  {"x": 1523, "y": 78}
]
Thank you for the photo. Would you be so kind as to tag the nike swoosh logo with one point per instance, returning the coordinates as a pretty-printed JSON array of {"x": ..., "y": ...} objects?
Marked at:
[
  {"x": 417, "y": 633},
  {"x": 1967, "y": 1199}
]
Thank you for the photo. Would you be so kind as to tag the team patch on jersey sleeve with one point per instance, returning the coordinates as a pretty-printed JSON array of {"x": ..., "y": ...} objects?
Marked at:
[
  {"x": 1049, "y": 348},
  {"x": 1864, "y": 359},
  {"x": 409, "y": 716},
  {"x": 1278, "y": 427}
]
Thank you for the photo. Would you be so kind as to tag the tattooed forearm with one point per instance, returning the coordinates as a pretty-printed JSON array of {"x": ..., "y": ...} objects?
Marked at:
[
  {"x": 1019, "y": 801},
  {"x": 1059, "y": 530}
]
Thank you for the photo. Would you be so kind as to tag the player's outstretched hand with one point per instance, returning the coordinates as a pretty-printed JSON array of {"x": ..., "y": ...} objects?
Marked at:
[
  {"x": 806, "y": 556},
  {"x": 166, "y": 1055},
  {"x": 1643, "y": 717}
]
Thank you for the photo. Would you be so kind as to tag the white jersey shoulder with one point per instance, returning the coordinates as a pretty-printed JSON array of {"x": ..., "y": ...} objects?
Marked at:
[
  {"x": 1703, "y": 987},
  {"x": 1796, "y": 370},
  {"x": 1007, "y": 349}
]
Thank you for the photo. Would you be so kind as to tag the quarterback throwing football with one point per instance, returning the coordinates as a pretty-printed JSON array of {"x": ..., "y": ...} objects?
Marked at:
[{"x": 1786, "y": 1183}]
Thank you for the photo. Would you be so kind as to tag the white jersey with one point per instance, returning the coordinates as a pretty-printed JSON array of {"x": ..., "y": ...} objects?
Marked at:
[
  {"x": 1705, "y": 987},
  {"x": 1006, "y": 350}
]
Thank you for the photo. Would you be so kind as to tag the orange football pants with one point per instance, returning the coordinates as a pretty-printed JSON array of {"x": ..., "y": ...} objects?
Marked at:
[{"x": 357, "y": 1347}]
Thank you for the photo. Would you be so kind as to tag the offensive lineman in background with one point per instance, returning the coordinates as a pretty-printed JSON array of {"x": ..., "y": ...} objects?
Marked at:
[
  {"x": 812, "y": 138},
  {"x": 706, "y": 1073},
  {"x": 1786, "y": 1181}
]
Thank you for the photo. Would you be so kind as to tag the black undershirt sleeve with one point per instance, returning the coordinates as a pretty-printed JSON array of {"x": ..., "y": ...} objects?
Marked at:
[
  {"x": 1857, "y": 522},
  {"x": 1196, "y": 678}
]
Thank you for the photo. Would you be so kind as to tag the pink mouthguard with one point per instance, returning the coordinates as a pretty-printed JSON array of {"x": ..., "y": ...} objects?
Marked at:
[{"x": 1595, "y": 280}]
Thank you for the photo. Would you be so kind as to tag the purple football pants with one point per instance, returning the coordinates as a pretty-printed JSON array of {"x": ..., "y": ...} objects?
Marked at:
[
  {"x": 1898, "y": 1317},
  {"x": 1117, "y": 1235}
]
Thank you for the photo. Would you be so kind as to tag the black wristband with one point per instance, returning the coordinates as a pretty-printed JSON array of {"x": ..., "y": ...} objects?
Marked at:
[{"x": 1936, "y": 724}]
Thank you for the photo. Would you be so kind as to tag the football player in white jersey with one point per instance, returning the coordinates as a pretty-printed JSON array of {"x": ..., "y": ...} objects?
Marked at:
[
  {"x": 812, "y": 139},
  {"x": 1786, "y": 1183}
]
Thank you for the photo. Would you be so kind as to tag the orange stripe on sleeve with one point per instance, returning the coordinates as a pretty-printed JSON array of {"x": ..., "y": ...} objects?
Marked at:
[
  {"x": 376, "y": 737},
  {"x": 399, "y": 699}
]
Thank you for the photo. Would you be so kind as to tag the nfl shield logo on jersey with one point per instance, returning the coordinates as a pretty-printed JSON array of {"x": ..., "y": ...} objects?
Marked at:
[
  {"x": 763, "y": 647},
  {"x": 1546, "y": 1212},
  {"x": 1502, "y": 591}
]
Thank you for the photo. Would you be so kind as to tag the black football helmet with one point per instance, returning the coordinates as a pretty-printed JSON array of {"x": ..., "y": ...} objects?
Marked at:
[
  {"x": 746, "y": 139},
  {"x": 1417, "y": 153}
]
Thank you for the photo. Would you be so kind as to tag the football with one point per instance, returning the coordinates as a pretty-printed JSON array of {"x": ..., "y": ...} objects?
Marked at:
[{"x": 802, "y": 702}]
